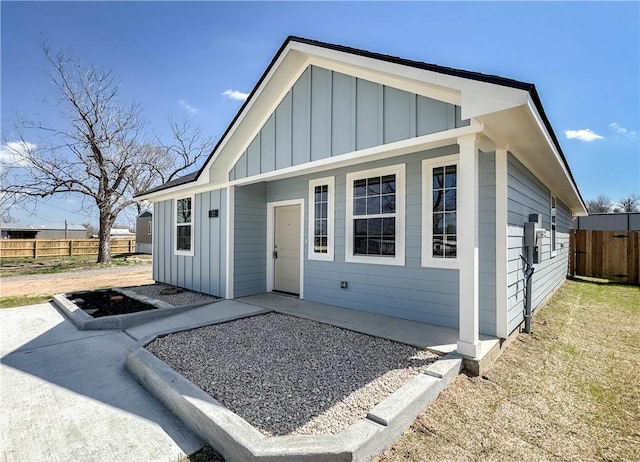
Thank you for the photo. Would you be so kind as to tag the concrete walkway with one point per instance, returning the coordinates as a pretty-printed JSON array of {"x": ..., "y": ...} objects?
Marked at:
[
  {"x": 441, "y": 340},
  {"x": 65, "y": 394}
]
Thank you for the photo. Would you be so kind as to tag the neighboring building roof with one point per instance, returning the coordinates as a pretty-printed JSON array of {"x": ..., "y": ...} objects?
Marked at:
[
  {"x": 48, "y": 227},
  {"x": 121, "y": 232},
  {"x": 145, "y": 214},
  {"x": 486, "y": 78}
]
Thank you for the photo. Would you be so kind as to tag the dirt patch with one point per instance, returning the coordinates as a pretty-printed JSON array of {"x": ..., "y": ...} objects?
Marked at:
[
  {"x": 101, "y": 303},
  {"x": 50, "y": 284}
]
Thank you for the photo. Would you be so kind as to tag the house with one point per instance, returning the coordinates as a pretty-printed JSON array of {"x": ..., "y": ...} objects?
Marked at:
[
  {"x": 144, "y": 234},
  {"x": 379, "y": 184},
  {"x": 625, "y": 221},
  {"x": 49, "y": 231}
]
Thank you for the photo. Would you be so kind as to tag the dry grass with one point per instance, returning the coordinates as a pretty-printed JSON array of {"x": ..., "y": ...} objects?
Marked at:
[{"x": 568, "y": 392}]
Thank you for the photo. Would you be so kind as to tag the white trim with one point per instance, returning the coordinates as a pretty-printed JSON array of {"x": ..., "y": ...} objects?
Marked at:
[
  {"x": 382, "y": 151},
  {"x": 190, "y": 252},
  {"x": 502, "y": 212},
  {"x": 553, "y": 226},
  {"x": 399, "y": 259},
  {"x": 311, "y": 254},
  {"x": 468, "y": 288},
  {"x": 229, "y": 251},
  {"x": 427, "y": 216},
  {"x": 271, "y": 206}
]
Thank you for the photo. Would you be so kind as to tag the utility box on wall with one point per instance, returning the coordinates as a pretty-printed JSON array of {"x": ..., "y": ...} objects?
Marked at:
[{"x": 534, "y": 236}]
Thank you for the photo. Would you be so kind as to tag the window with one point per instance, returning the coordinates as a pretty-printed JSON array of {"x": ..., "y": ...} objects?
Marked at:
[
  {"x": 184, "y": 226},
  {"x": 440, "y": 212},
  {"x": 553, "y": 225},
  {"x": 375, "y": 216},
  {"x": 321, "y": 219}
]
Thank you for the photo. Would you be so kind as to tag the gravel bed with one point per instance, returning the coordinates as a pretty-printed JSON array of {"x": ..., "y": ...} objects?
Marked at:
[
  {"x": 287, "y": 375},
  {"x": 187, "y": 297}
]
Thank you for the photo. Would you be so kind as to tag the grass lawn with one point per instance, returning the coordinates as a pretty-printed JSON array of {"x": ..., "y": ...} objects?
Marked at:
[
  {"x": 570, "y": 391},
  {"x": 50, "y": 265},
  {"x": 10, "y": 302}
]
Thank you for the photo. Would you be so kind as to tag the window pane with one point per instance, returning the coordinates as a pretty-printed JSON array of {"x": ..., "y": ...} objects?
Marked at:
[
  {"x": 389, "y": 204},
  {"x": 438, "y": 223},
  {"x": 388, "y": 247},
  {"x": 373, "y": 205},
  {"x": 438, "y": 246},
  {"x": 373, "y": 186},
  {"x": 375, "y": 227},
  {"x": 450, "y": 223},
  {"x": 438, "y": 201},
  {"x": 389, "y": 227},
  {"x": 184, "y": 238},
  {"x": 388, "y": 184},
  {"x": 360, "y": 206},
  {"x": 451, "y": 176},
  {"x": 450, "y": 199},
  {"x": 360, "y": 188},
  {"x": 183, "y": 210},
  {"x": 325, "y": 193},
  {"x": 450, "y": 249},
  {"x": 360, "y": 227},
  {"x": 438, "y": 178},
  {"x": 321, "y": 210},
  {"x": 359, "y": 245}
]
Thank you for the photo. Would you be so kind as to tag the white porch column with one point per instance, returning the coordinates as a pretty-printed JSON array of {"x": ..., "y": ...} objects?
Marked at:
[{"x": 468, "y": 341}]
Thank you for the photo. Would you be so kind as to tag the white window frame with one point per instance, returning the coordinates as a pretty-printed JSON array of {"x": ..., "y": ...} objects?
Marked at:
[
  {"x": 553, "y": 225},
  {"x": 399, "y": 258},
  {"x": 311, "y": 253},
  {"x": 428, "y": 260},
  {"x": 186, "y": 253}
]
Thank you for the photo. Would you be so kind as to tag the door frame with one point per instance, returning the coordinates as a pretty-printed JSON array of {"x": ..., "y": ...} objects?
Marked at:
[{"x": 271, "y": 214}]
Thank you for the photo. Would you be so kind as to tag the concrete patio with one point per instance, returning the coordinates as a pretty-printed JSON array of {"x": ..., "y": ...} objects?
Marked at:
[{"x": 66, "y": 394}]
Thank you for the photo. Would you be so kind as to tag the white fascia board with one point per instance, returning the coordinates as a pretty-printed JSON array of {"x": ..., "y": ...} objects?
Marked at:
[
  {"x": 543, "y": 129},
  {"x": 492, "y": 100}
]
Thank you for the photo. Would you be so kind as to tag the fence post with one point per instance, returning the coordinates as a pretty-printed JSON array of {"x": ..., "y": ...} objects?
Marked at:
[
  {"x": 70, "y": 247},
  {"x": 35, "y": 248},
  {"x": 129, "y": 245},
  {"x": 572, "y": 252}
]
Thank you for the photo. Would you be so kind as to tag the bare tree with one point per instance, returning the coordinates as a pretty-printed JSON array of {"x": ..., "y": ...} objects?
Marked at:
[
  {"x": 631, "y": 203},
  {"x": 97, "y": 151},
  {"x": 601, "y": 204}
]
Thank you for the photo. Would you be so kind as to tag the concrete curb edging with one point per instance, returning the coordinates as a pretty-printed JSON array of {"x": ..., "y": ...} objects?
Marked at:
[
  {"x": 84, "y": 321},
  {"x": 237, "y": 440}
]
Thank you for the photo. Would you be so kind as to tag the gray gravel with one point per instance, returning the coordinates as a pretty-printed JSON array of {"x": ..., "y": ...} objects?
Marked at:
[
  {"x": 187, "y": 297},
  {"x": 287, "y": 375}
]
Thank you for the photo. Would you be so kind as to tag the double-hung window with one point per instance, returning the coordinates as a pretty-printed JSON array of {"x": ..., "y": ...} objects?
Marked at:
[
  {"x": 321, "y": 219},
  {"x": 553, "y": 225},
  {"x": 184, "y": 226},
  {"x": 375, "y": 216},
  {"x": 440, "y": 212}
]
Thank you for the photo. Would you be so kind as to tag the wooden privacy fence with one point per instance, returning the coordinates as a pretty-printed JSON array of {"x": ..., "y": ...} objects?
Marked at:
[
  {"x": 34, "y": 248},
  {"x": 613, "y": 255}
]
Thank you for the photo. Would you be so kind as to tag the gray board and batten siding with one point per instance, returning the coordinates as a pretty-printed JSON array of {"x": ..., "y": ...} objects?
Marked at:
[
  {"x": 527, "y": 195},
  {"x": 410, "y": 291},
  {"x": 327, "y": 113},
  {"x": 205, "y": 271}
]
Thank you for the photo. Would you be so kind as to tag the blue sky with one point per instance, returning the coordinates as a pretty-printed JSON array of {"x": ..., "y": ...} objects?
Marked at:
[{"x": 181, "y": 57}]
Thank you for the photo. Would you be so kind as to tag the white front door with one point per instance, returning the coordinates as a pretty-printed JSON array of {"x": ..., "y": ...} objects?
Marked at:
[{"x": 286, "y": 249}]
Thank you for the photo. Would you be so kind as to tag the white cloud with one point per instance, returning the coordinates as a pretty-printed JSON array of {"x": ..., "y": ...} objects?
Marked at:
[
  {"x": 583, "y": 135},
  {"x": 189, "y": 108},
  {"x": 235, "y": 94},
  {"x": 618, "y": 130},
  {"x": 12, "y": 153}
]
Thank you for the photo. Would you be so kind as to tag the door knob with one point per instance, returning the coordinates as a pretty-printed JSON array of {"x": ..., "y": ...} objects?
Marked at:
[{"x": 275, "y": 254}]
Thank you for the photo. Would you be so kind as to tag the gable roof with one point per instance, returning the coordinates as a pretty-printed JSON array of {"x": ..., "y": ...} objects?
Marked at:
[{"x": 447, "y": 71}]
